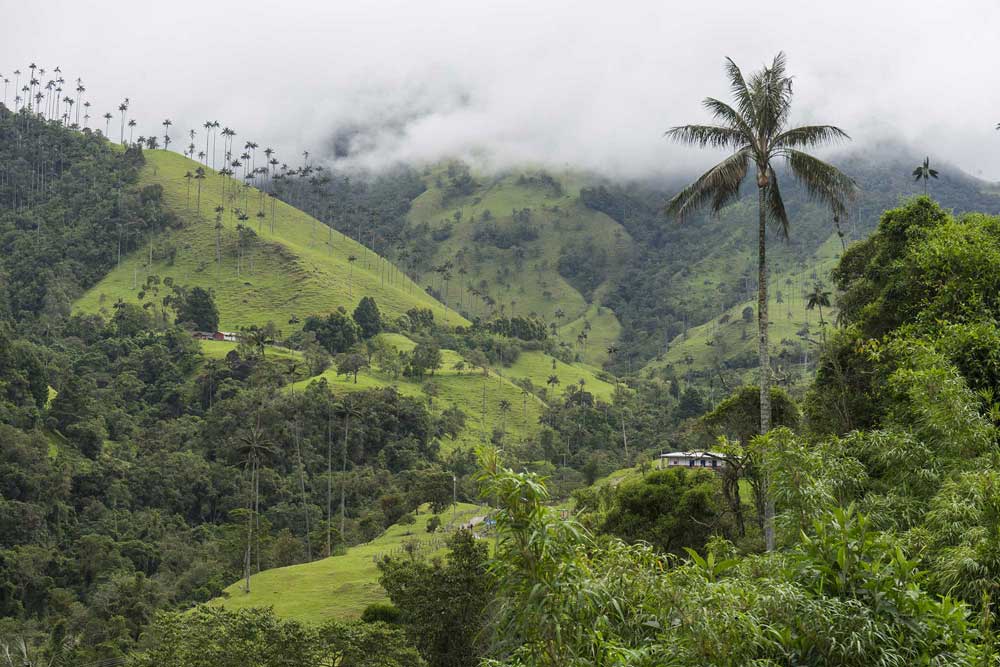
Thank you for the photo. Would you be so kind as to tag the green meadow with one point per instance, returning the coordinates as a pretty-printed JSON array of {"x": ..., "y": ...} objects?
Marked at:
[
  {"x": 342, "y": 586},
  {"x": 300, "y": 268}
]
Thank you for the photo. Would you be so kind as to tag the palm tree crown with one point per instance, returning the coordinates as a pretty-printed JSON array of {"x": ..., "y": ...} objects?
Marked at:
[
  {"x": 756, "y": 131},
  {"x": 924, "y": 172},
  {"x": 818, "y": 298}
]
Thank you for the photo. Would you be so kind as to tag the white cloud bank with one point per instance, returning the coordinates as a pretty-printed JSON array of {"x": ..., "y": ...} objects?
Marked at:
[{"x": 582, "y": 83}]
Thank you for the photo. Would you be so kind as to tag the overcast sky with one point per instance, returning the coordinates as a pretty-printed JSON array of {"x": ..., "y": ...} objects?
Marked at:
[{"x": 577, "y": 82}]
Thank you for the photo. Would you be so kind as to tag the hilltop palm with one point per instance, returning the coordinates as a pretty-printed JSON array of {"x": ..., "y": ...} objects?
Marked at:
[
  {"x": 199, "y": 175},
  {"x": 188, "y": 176},
  {"x": 208, "y": 133},
  {"x": 166, "y": 132},
  {"x": 350, "y": 275},
  {"x": 924, "y": 173},
  {"x": 123, "y": 108},
  {"x": 757, "y": 133}
]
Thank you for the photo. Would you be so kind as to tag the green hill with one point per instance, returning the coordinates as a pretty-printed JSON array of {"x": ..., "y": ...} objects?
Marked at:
[
  {"x": 525, "y": 241},
  {"x": 728, "y": 342},
  {"x": 341, "y": 586},
  {"x": 300, "y": 268},
  {"x": 468, "y": 390},
  {"x": 539, "y": 367},
  {"x": 464, "y": 389}
]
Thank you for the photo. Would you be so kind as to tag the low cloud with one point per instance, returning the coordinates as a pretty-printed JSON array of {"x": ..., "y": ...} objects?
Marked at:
[{"x": 581, "y": 84}]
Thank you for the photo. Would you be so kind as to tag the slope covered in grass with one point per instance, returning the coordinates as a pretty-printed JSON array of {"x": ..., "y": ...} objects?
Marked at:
[
  {"x": 340, "y": 586},
  {"x": 729, "y": 341},
  {"x": 482, "y": 398},
  {"x": 300, "y": 268},
  {"x": 505, "y": 237},
  {"x": 539, "y": 367}
]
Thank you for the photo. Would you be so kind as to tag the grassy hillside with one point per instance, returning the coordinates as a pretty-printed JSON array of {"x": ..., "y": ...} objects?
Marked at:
[
  {"x": 300, "y": 268},
  {"x": 468, "y": 390},
  {"x": 539, "y": 367},
  {"x": 340, "y": 586},
  {"x": 481, "y": 236},
  {"x": 728, "y": 337}
]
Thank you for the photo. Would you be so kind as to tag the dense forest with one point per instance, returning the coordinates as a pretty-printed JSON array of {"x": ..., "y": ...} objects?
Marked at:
[{"x": 142, "y": 477}]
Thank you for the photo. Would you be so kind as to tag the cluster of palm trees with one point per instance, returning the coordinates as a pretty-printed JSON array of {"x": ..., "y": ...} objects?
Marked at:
[{"x": 47, "y": 100}]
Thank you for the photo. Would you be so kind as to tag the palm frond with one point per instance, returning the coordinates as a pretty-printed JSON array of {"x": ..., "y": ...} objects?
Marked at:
[
  {"x": 719, "y": 185},
  {"x": 740, "y": 90},
  {"x": 731, "y": 118},
  {"x": 810, "y": 135},
  {"x": 706, "y": 135},
  {"x": 933, "y": 173},
  {"x": 775, "y": 204},
  {"x": 822, "y": 181},
  {"x": 771, "y": 91}
]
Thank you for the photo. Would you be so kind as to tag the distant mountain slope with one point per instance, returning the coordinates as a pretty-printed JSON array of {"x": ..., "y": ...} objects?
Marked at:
[
  {"x": 726, "y": 346},
  {"x": 299, "y": 269},
  {"x": 599, "y": 257},
  {"x": 687, "y": 275},
  {"x": 522, "y": 242}
]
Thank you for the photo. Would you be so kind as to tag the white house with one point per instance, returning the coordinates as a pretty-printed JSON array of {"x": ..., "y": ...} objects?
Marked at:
[{"x": 710, "y": 460}]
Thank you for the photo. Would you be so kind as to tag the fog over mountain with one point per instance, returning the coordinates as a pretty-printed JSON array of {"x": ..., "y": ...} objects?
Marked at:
[{"x": 559, "y": 83}]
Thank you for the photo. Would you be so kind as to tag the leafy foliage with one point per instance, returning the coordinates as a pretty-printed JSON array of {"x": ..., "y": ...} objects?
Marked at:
[{"x": 443, "y": 604}]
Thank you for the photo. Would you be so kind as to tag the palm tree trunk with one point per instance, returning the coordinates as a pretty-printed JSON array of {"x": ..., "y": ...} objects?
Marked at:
[
  {"x": 329, "y": 482},
  {"x": 247, "y": 555},
  {"x": 343, "y": 476},
  {"x": 764, "y": 355},
  {"x": 302, "y": 486}
]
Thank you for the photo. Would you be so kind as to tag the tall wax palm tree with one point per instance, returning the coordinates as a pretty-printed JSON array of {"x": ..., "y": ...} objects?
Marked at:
[
  {"x": 123, "y": 108},
  {"x": 166, "y": 132},
  {"x": 756, "y": 130},
  {"x": 268, "y": 152},
  {"x": 215, "y": 127},
  {"x": 350, "y": 275},
  {"x": 199, "y": 175},
  {"x": 504, "y": 409},
  {"x": 219, "y": 210},
  {"x": 924, "y": 173},
  {"x": 79, "y": 95},
  {"x": 131, "y": 129},
  {"x": 107, "y": 124},
  {"x": 348, "y": 410},
  {"x": 31, "y": 83},
  {"x": 255, "y": 447},
  {"x": 817, "y": 299},
  {"x": 208, "y": 133},
  {"x": 188, "y": 176}
]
